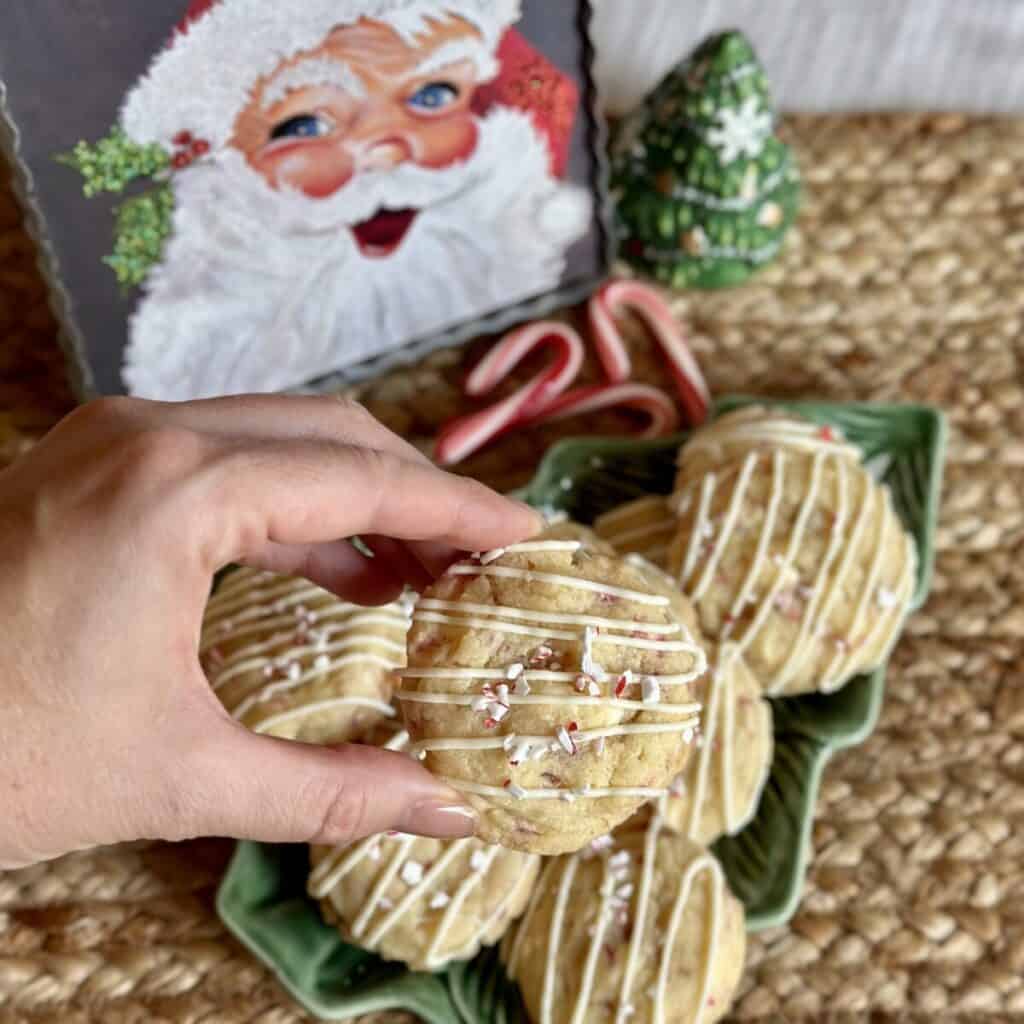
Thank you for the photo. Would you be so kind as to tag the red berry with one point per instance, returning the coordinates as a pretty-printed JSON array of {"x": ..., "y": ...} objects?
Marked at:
[
  {"x": 182, "y": 139},
  {"x": 200, "y": 147},
  {"x": 181, "y": 160}
]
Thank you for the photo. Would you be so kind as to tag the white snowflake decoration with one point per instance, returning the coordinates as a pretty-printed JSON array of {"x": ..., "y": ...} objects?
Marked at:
[{"x": 741, "y": 131}]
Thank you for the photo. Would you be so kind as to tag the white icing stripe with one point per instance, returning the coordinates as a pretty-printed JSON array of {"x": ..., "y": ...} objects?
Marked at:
[
  {"x": 639, "y": 898},
  {"x": 558, "y": 618},
  {"x": 524, "y": 923},
  {"x": 792, "y": 434},
  {"x": 234, "y": 668},
  {"x": 272, "y": 690},
  {"x": 799, "y": 651},
  {"x": 728, "y": 525},
  {"x": 532, "y": 675},
  {"x": 531, "y": 547},
  {"x": 554, "y": 939},
  {"x": 580, "y": 737},
  {"x": 258, "y": 602},
  {"x": 440, "y": 619},
  {"x": 466, "y": 699},
  {"x": 795, "y": 540},
  {"x": 573, "y": 582},
  {"x": 387, "y": 876},
  {"x": 324, "y": 705},
  {"x": 719, "y": 682},
  {"x": 348, "y": 614},
  {"x": 592, "y": 793},
  {"x": 707, "y": 489},
  {"x": 706, "y": 863},
  {"x": 607, "y": 891}
]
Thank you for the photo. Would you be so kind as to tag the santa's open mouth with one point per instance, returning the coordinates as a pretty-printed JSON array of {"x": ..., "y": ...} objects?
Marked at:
[{"x": 384, "y": 232}]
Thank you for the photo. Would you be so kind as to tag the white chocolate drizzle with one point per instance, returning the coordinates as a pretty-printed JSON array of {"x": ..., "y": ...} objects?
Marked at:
[
  {"x": 754, "y": 428},
  {"x": 708, "y": 543},
  {"x": 379, "y": 916},
  {"x": 577, "y": 680},
  {"x": 296, "y": 645},
  {"x": 623, "y": 895}
]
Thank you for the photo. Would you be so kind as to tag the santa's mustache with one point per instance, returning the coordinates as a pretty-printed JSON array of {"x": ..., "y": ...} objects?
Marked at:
[{"x": 291, "y": 211}]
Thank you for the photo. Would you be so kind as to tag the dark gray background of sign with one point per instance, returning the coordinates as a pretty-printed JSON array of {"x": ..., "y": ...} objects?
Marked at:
[{"x": 67, "y": 64}]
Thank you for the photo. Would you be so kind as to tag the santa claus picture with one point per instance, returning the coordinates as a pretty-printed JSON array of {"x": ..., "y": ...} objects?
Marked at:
[{"x": 340, "y": 177}]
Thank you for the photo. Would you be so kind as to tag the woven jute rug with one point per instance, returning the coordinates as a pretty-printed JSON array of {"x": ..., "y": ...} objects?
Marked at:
[{"x": 902, "y": 283}]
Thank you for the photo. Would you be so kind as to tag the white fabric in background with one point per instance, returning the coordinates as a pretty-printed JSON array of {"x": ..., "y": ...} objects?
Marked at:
[{"x": 830, "y": 55}]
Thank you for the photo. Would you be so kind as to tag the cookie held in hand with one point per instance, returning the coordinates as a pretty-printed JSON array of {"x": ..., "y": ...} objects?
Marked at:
[{"x": 552, "y": 685}]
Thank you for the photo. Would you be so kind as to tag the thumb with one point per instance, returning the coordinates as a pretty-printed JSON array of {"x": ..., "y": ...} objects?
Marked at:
[{"x": 272, "y": 790}]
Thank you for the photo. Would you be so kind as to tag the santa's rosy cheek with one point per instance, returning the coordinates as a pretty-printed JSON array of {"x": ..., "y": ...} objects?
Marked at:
[
  {"x": 447, "y": 141},
  {"x": 317, "y": 170}
]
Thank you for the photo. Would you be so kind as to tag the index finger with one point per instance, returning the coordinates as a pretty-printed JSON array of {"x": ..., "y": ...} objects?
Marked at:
[{"x": 310, "y": 492}]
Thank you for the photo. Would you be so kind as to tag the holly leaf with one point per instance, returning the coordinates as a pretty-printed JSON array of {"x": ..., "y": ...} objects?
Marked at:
[
  {"x": 142, "y": 226},
  {"x": 111, "y": 164}
]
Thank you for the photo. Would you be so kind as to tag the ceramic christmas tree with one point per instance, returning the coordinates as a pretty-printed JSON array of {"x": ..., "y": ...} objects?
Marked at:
[{"x": 705, "y": 191}]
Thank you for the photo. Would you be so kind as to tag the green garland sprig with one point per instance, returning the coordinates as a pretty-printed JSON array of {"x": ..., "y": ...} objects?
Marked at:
[{"x": 142, "y": 224}]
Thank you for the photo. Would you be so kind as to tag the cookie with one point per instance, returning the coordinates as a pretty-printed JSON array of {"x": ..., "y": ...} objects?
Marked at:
[
  {"x": 645, "y": 527},
  {"x": 720, "y": 790},
  {"x": 424, "y": 902},
  {"x": 289, "y": 659},
  {"x": 551, "y": 684},
  {"x": 799, "y": 558},
  {"x": 640, "y": 926},
  {"x": 757, "y": 428}
]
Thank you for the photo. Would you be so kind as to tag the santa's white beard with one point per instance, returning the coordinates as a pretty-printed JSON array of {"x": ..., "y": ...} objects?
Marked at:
[{"x": 264, "y": 290}]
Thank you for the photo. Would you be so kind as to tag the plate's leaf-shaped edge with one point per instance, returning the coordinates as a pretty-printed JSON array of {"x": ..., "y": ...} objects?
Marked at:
[
  {"x": 766, "y": 861},
  {"x": 263, "y": 903},
  {"x": 587, "y": 477},
  {"x": 483, "y": 992}
]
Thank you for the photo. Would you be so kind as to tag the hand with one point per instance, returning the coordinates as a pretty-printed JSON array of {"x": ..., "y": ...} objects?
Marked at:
[{"x": 110, "y": 533}]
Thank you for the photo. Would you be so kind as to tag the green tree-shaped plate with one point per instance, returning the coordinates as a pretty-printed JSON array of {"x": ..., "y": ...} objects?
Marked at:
[{"x": 262, "y": 898}]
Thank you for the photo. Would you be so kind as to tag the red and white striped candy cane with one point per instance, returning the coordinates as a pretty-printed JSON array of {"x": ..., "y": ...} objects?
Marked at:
[
  {"x": 610, "y": 301},
  {"x": 468, "y": 434},
  {"x": 664, "y": 417}
]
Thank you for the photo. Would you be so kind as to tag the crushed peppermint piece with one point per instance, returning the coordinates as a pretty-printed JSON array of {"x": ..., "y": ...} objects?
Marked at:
[
  {"x": 593, "y": 690},
  {"x": 624, "y": 891},
  {"x": 599, "y": 746},
  {"x": 491, "y": 556},
  {"x": 478, "y": 861},
  {"x": 620, "y": 859},
  {"x": 294, "y": 671},
  {"x": 490, "y": 723},
  {"x": 412, "y": 872},
  {"x": 522, "y": 687},
  {"x": 513, "y": 672},
  {"x": 517, "y": 792},
  {"x": 268, "y": 671},
  {"x": 651, "y": 690},
  {"x": 601, "y": 843},
  {"x": 567, "y": 797},
  {"x": 322, "y": 663},
  {"x": 565, "y": 740},
  {"x": 827, "y": 434},
  {"x": 499, "y": 711},
  {"x": 385, "y": 903},
  {"x": 480, "y": 703},
  {"x": 677, "y": 787},
  {"x": 439, "y": 900},
  {"x": 886, "y": 598}
]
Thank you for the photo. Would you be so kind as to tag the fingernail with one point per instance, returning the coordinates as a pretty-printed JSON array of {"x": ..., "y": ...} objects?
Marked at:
[{"x": 441, "y": 819}]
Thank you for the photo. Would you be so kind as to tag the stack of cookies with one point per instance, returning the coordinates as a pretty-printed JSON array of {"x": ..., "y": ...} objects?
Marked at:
[{"x": 599, "y": 698}]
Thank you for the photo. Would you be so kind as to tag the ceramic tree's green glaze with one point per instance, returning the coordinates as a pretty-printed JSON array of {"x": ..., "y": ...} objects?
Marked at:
[{"x": 262, "y": 898}]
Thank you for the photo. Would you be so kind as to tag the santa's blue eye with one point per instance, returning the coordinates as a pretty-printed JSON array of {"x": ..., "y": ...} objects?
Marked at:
[
  {"x": 305, "y": 126},
  {"x": 434, "y": 96}
]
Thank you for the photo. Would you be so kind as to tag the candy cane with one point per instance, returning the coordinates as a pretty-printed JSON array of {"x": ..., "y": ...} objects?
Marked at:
[
  {"x": 659, "y": 407},
  {"x": 615, "y": 297},
  {"x": 468, "y": 434}
]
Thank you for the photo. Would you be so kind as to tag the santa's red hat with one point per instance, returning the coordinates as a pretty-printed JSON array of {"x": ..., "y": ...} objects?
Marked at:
[{"x": 200, "y": 83}]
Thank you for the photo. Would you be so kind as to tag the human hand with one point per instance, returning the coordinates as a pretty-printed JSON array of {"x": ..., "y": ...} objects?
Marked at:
[{"x": 111, "y": 530}]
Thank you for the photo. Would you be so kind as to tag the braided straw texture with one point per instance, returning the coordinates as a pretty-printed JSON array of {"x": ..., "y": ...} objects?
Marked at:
[{"x": 902, "y": 283}]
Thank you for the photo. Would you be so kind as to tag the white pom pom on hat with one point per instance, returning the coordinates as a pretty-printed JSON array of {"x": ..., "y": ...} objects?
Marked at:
[{"x": 204, "y": 78}]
